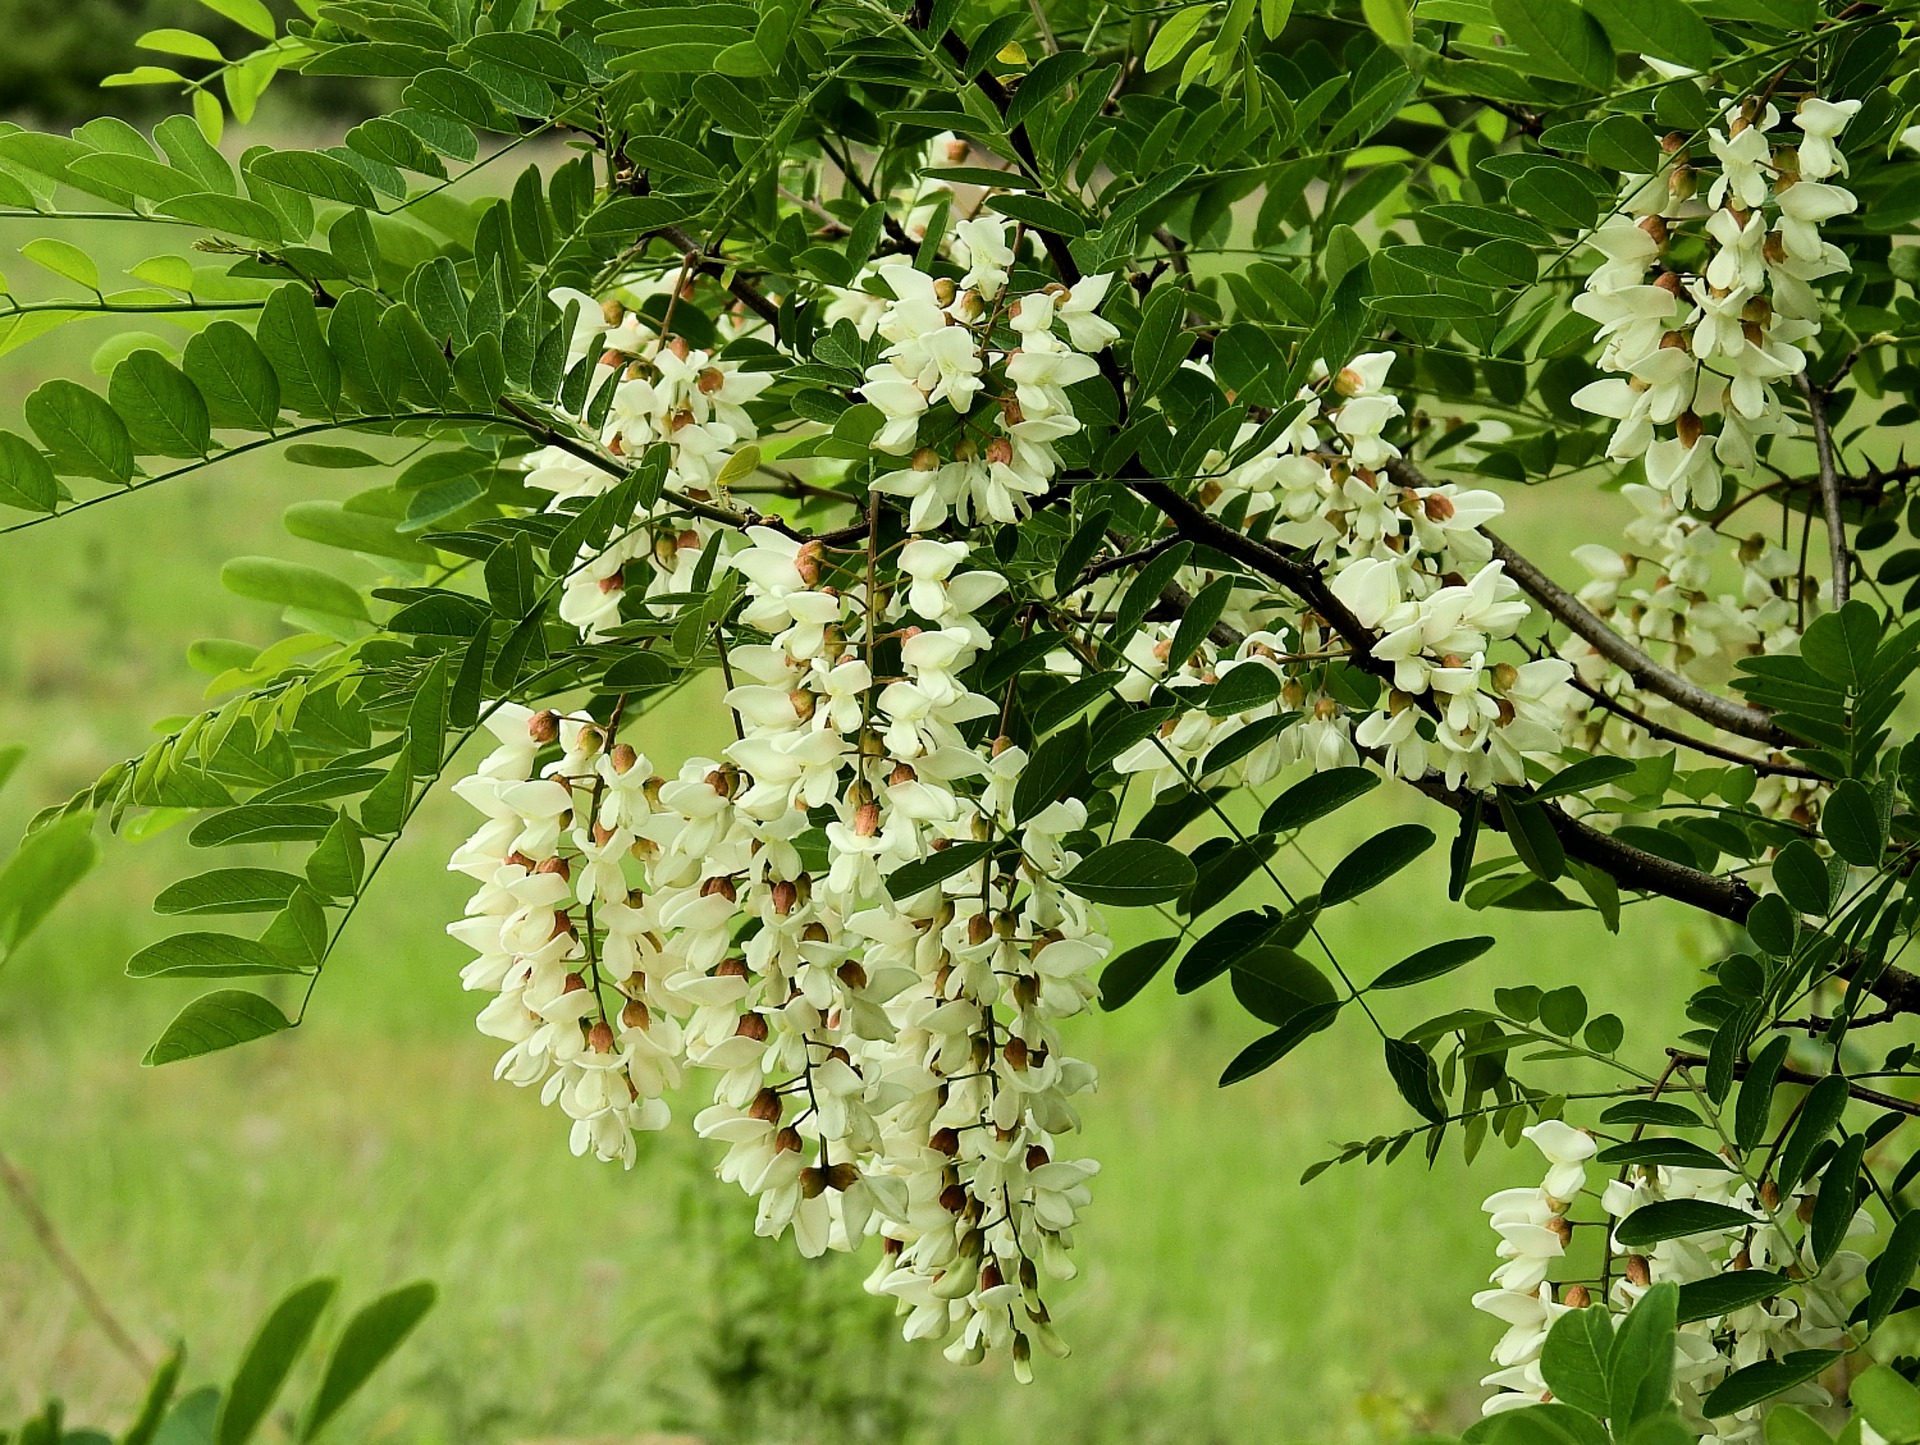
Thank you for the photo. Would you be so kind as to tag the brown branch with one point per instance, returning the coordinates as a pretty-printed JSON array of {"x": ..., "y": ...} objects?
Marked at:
[
  {"x": 48, "y": 1236},
  {"x": 1829, "y": 489},
  {"x": 1890, "y": 1102},
  {"x": 743, "y": 290},
  {"x": 1673, "y": 735},
  {"x": 1650, "y": 676}
]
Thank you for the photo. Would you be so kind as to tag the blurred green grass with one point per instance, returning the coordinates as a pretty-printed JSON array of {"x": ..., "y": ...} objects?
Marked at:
[{"x": 1220, "y": 1301}]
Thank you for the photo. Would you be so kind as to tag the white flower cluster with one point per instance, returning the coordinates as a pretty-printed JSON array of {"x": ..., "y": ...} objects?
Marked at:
[
  {"x": 978, "y": 419},
  {"x": 1409, "y": 562},
  {"x": 882, "y": 1065},
  {"x": 1686, "y": 348},
  {"x": 672, "y": 393},
  {"x": 1660, "y": 592},
  {"x": 1535, "y": 1231}
]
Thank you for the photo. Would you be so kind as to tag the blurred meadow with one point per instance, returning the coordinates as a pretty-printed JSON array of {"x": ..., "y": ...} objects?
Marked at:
[{"x": 1219, "y": 1300}]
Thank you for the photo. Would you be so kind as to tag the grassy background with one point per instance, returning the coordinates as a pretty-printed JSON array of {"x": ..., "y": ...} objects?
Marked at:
[{"x": 1220, "y": 1301}]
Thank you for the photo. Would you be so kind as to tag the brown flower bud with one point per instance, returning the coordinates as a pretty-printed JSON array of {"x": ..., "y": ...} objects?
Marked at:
[
  {"x": 1000, "y": 451},
  {"x": 1688, "y": 428},
  {"x": 947, "y": 1141},
  {"x": 784, "y": 896},
  {"x": 866, "y": 820},
  {"x": 562, "y": 924},
  {"x": 1437, "y": 507},
  {"x": 1576, "y": 1297},
  {"x": 752, "y": 1026},
  {"x": 852, "y": 975},
  {"x": 1015, "y": 1053},
  {"x": 787, "y": 1141},
  {"x": 544, "y": 727},
  {"x": 766, "y": 1107},
  {"x": 1638, "y": 1272},
  {"x": 842, "y": 1177},
  {"x": 813, "y": 1182},
  {"x": 614, "y": 581},
  {"x": 600, "y": 1038},
  {"x": 634, "y": 1015},
  {"x": 574, "y": 984},
  {"x": 730, "y": 968},
  {"x": 953, "y": 1199},
  {"x": 623, "y": 757}
]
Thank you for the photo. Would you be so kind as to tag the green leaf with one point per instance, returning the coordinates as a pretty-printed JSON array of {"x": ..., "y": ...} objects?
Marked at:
[
  {"x": 1820, "y": 1112},
  {"x": 1266, "y": 1051},
  {"x": 232, "y": 374},
  {"x": 1665, "y": 29},
  {"x": 1755, "y": 1105},
  {"x": 1432, "y": 962},
  {"x": 206, "y": 955},
  {"x": 1640, "y": 1362},
  {"x": 1549, "y": 1424},
  {"x": 1851, "y": 823},
  {"x": 26, "y": 480},
  {"x": 1890, "y": 1274},
  {"x": 1722, "y": 1294},
  {"x": 1375, "y": 861},
  {"x": 1766, "y": 1379},
  {"x": 1677, "y": 1218},
  {"x": 1531, "y": 831},
  {"x": 289, "y": 334},
  {"x": 1583, "y": 777},
  {"x": 228, "y": 890},
  {"x": 1127, "y": 973},
  {"x": 276, "y": 1348},
  {"x": 1160, "y": 345},
  {"x": 1173, "y": 35},
  {"x": 48, "y": 863},
  {"x": 1790, "y": 1425},
  {"x": 292, "y": 584},
  {"x": 1833, "y": 1208},
  {"x": 370, "y": 1337},
  {"x": 1801, "y": 877},
  {"x": 262, "y": 823},
  {"x": 164, "y": 412},
  {"x": 1560, "y": 39},
  {"x": 923, "y": 873},
  {"x": 1273, "y": 984},
  {"x": 1390, "y": 20},
  {"x": 334, "y": 525},
  {"x": 1416, "y": 1077},
  {"x": 213, "y": 1021},
  {"x": 1840, "y": 646},
  {"x": 1574, "y": 1359},
  {"x": 85, "y": 436},
  {"x": 315, "y": 174},
  {"x": 248, "y": 14},
  {"x": 1132, "y": 873},
  {"x": 1890, "y": 1404},
  {"x": 63, "y": 260},
  {"x": 218, "y": 212},
  {"x": 153, "y": 1410}
]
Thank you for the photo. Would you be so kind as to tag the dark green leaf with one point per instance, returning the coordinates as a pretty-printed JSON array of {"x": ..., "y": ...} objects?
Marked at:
[
  {"x": 275, "y": 1349},
  {"x": 1131, "y": 873},
  {"x": 372, "y": 1335},
  {"x": 1432, "y": 962},
  {"x": 217, "y": 1020},
  {"x": 1375, "y": 861},
  {"x": 1127, "y": 973}
]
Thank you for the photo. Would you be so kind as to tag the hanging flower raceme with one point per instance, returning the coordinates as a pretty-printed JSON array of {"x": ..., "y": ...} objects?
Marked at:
[{"x": 1701, "y": 361}]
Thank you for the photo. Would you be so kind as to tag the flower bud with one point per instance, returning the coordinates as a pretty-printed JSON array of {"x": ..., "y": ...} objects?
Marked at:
[
  {"x": 1437, "y": 507},
  {"x": 1576, "y": 1297},
  {"x": 1638, "y": 1272},
  {"x": 784, "y": 896},
  {"x": 999, "y": 451},
  {"x": 574, "y": 984},
  {"x": 634, "y": 1015},
  {"x": 752, "y": 1026},
  {"x": 544, "y": 727},
  {"x": 926, "y": 459},
  {"x": 614, "y": 581},
  {"x": 947, "y": 1141},
  {"x": 766, "y": 1107},
  {"x": 678, "y": 346},
  {"x": 787, "y": 1141},
  {"x": 842, "y": 1177},
  {"x": 813, "y": 1182},
  {"x": 600, "y": 1038},
  {"x": 866, "y": 820},
  {"x": 852, "y": 975},
  {"x": 1688, "y": 428},
  {"x": 730, "y": 968}
]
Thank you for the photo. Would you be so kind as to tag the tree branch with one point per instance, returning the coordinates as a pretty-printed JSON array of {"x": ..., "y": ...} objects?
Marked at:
[
  {"x": 1800, "y": 1076},
  {"x": 1708, "y": 706},
  {"x": 1673, "y": 735},
  {"x": 1829, "y": 489},
  {"x": 743, "y": 290}
]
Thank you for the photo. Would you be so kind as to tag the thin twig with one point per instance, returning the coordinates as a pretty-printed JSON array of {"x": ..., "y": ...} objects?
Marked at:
[
  {"x": 1797, "y": 1076},
  {"x": 1842, "y": 562},
  {"x": 43, "y": 1230}
]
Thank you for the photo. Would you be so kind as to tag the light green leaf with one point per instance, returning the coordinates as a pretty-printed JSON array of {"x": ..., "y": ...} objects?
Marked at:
[
  {"x": 364, "y": 1345},
  {"x": 293, "y": 584},
  {"x": 1173, "y": 35},
  {"x": 276, "y": 1348},
  {"x": 1560, "y": 41}
]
